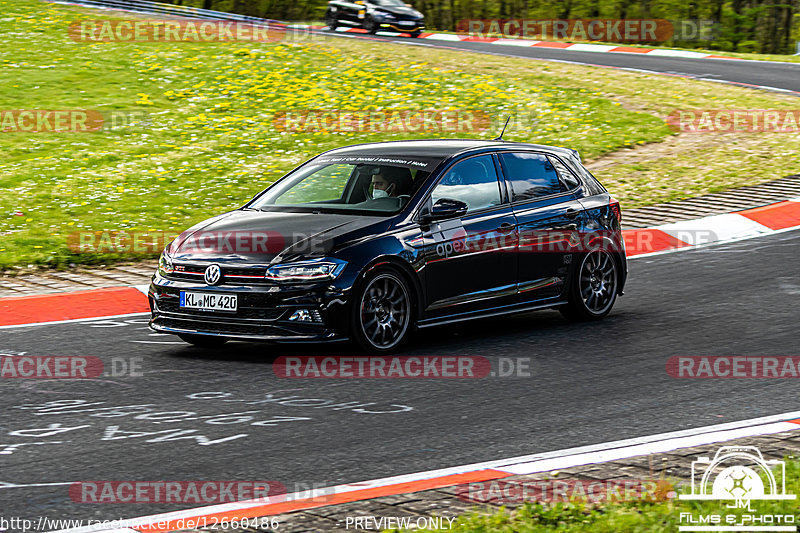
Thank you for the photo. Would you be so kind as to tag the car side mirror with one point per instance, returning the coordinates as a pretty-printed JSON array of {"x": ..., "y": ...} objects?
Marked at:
[{"x": 445, "y": 208}]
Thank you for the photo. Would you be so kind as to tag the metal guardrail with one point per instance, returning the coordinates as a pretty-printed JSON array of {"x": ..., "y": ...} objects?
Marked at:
[{"x": 144, "y": 6}]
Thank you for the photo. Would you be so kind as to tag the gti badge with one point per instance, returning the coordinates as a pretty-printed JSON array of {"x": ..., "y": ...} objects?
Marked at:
[{"x": 213, "y": 275}]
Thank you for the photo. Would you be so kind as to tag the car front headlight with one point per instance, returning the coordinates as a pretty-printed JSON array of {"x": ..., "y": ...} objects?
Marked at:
[
  {"x": 324, "y": 269},
  {"x": 165, "y": 265}
]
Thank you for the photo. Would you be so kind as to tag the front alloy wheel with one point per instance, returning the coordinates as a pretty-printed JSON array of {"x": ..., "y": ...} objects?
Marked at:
[
  {"x": 594, "y": 287},
  {"x": 330, "y": 20},
  {"x": 383, "y": 312},
  {"x": 371, "y": 25}
]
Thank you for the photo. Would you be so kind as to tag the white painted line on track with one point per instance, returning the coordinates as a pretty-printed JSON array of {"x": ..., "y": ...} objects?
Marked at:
[
  {"x": 444, "y": 37},
  {"x": 614, "y": 454},
  {"x": 717, "y": 227},
  {"x": 525, "y": 464},
  {"x": 675, "y": 53},
  {"x": 590, "y": 48},
  {"x": 712, "y": 244},
  {"x": 514, "y": 42},
  {"x": 71, "y": 320}
]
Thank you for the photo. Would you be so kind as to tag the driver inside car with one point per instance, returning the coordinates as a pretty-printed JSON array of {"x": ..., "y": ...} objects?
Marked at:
[{"x": 391, "y": 181}]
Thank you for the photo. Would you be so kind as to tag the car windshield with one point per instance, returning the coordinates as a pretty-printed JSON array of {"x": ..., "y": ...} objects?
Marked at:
[
  {"x": 371, "y": 185},
  {"x": 389, "y": 3}
]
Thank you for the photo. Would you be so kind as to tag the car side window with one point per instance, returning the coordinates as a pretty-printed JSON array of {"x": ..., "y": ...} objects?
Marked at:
[
  {"x": 569, "y": 179},
  {"x": 530, "y": 175},
  {"x": 473, "y": 181}
]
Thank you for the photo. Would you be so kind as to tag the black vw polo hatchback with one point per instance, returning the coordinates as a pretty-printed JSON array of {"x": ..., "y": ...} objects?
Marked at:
[{"x": 371, "y": 241}]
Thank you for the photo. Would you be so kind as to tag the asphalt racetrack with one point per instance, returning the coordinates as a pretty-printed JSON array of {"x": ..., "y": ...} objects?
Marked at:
[
  {"x": 585, "y": 384},
  {"x": 776, "y": 75}
]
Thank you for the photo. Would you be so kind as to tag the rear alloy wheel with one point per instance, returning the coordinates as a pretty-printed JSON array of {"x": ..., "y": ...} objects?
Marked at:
[
  {"x": 330, "y": 20},
  {"x": 203, "y": 341},
  {"x": 382, "y": 312},
  {"x": 594, "y": 287},
  {"x": 371, "y": 25}
]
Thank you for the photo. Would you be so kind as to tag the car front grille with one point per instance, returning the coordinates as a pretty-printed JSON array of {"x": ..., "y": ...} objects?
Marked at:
[{"x": 230, "y": 275}]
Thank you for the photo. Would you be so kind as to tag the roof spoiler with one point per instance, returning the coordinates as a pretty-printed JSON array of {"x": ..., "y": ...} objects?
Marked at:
[{"x": 577, "y": 154}]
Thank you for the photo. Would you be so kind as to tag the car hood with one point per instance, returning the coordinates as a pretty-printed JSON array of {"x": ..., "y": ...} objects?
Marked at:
[{"x": 255, "y": 237}]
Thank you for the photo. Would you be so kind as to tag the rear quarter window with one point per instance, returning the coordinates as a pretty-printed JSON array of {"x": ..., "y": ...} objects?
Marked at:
[{"x": 531, "y": 175}]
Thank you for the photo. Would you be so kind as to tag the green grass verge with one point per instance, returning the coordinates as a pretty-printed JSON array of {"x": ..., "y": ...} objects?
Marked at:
[
  {"x": 624, "y": 517},
  {"x": 210, "y": 144}
]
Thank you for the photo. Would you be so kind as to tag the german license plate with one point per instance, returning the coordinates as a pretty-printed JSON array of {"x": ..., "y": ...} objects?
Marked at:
[
  {"x": 406, "y": 23},
  {"x": 208, "y": 301}
]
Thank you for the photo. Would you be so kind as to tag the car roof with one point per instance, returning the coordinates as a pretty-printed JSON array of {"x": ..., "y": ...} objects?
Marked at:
[{"x": 441, "y": 148}]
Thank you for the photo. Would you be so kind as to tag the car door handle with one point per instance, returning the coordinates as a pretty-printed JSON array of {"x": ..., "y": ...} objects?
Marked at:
[
  {"x": 571, "y": 212},
  {"x": 505, "y": 227}
]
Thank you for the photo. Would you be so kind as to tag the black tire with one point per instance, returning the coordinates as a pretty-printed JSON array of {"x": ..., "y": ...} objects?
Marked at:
[
  {"x": 415, "y": 34},
  {"x": 593, "y": 289},
  {"x": 370, "y": 25},
  {"x": 331, "y": 20},
  {"x": 382, "y": 311},
  {"x": 203, "y": 341}
]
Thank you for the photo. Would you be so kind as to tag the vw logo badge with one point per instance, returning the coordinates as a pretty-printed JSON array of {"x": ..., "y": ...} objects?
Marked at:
[{"x": 213, "y": 275}]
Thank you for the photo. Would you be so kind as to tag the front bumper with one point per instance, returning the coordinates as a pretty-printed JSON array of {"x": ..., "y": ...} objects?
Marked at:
[
  {"x": 263, "y": 311},
  {"x": 402, "y": 28}
]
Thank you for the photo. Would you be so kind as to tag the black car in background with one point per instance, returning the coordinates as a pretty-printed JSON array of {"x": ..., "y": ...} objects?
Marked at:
[
  {"x": 371, "y": 241},
  {"x": 375, "y": 15}
]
